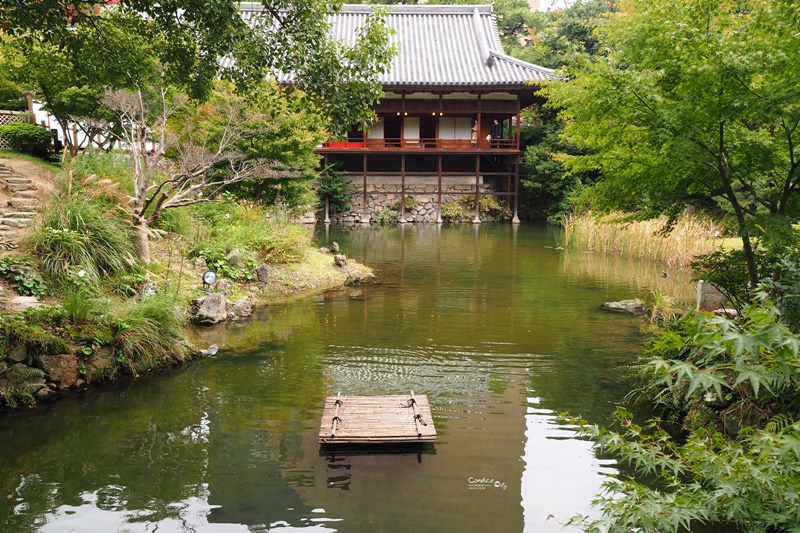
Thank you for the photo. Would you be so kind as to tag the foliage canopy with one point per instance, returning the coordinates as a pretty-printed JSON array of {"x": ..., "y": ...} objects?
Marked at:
[{"x": 692, "y": 98}]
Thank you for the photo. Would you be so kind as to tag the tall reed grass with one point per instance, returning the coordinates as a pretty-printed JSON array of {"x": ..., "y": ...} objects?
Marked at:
[{"x": 690, "y": 237}]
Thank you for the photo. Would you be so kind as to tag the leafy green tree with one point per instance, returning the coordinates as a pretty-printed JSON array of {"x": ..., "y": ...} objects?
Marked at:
[
  {"x": 549, "y": 190},
  {"x": 341, "y": 77},
  {"x": 113, "y": 53},
  {"x": 192, "y": 35},
  {"x": 195, "y": 43},
  {"x": 184, "y": 152},
  {"x": 692, "y": 98},
  {"x": 566, "y": 32}
]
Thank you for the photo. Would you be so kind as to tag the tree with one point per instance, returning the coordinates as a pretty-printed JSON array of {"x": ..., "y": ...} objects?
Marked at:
[
  {"x": 568, "y": 31},
  {"x": 551, "y": 191},
  {"x": 184, "y": 154},
  {"x": 688, "y": 98},
  {"x": 194, "y": 35},
  {"x": 114, "y": 52},
  {"x": 197, "y": 42}
]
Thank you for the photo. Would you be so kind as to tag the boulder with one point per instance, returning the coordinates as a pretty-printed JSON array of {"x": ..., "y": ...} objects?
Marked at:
[
  {"x": 61, "y": 369},
  {"x": 241, "y": 309},
  {"x": 18, "y": 353},
  {"x": 324, "y": 250},
  {"x": 334, "y": 247},
  {"x": 45, "y": 394},
  {"x": 727, "y": 313},
  {"x": 224, "y": 286},
  {"x": 340, "y": 260},
  {"x": 19, "y": 304},
  {"x": 100, "y": 364},
  {"x": 149, "y": 288},
  {"x": 211, "y": 309},
  {"x": 235, "y": 259},
  {"x": 200, "y": 264},
  {"x": 211, "y": 350},
  {"x": 634, "y": 307},
  {"x": 262, "y": 273},
  {"x": 23, "y": 379}
]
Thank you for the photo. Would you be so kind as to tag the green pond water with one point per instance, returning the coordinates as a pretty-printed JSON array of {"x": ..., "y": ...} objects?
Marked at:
[{"x": 499, "y": 327}]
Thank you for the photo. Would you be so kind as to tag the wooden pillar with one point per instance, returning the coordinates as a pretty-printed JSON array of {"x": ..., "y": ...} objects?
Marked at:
[
  {"x": 508, "y": 181},
  {"x": 439, "y": 189},
  {"x": 515, "y": 219},
  {"x": 480, "y": 110},
  {"x": 403, "y": 188},
  {"x": 327, "y": 197},
  {"x": 477, "y": 218},
  {"x": 364, "y": 217},
  {"x": 519, "y": 122}
]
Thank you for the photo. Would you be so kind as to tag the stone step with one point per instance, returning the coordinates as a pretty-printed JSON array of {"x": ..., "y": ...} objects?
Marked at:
[
  {"x": 18, "y": 214},
  {"x": 26, "y": 194},
  {"x": 24, "y": 203},
  {"x": 8, "y": 235},
  {"x": 16, "y": 222},
  {"x": 16, "y": 179},
  {"x": 15, "y": 185}
]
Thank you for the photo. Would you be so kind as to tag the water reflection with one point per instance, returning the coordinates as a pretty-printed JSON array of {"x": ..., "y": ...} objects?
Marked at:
[{"x": 499, "y": 328}]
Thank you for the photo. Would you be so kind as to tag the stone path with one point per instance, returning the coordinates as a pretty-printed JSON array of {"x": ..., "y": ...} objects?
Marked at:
[{"x": 21, "y": 208}]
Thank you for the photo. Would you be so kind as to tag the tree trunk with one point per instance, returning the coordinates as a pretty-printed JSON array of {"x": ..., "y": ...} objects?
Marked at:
[{"x": 142, "y": 241}]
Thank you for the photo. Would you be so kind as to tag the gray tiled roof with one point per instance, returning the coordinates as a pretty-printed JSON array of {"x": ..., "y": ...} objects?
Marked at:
[{"x": 440, "y": 45}]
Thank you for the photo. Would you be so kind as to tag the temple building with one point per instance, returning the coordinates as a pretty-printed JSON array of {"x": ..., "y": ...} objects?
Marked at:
[{"x": 449, "y": 124}]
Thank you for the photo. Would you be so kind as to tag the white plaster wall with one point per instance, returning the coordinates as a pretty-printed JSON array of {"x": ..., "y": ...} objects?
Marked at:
[
  {"x": 411, "y": 128},
  {"x": 376, "y": 131}
]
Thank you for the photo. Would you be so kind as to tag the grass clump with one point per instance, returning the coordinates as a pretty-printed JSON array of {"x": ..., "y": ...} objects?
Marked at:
[
  {"x": 149, "y": 333},
  {"x": 489, "y": 207},
  {"x": 689, "y": 238},
  {"x": 84, "y": 232}
]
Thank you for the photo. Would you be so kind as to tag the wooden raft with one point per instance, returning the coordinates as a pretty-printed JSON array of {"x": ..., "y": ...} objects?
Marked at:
[{"x": 376, "y": 419}]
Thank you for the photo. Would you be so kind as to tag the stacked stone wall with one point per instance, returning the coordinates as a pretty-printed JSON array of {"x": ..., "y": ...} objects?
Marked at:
[{"x": 387, "y": 196}]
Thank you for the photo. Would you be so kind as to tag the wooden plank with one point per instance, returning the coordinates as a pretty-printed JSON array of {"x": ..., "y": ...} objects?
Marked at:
[{"x": 376, "y": 419}]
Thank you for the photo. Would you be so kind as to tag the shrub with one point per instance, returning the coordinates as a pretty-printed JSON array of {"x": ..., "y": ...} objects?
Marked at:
[
  {"x": 385, "y": 217},
  {"x": 28, "y": 138},
  {"x": 490, "y": 208},
  {"x": 227, "y": 225},
  {"x": 453, "y": 212},
  {"x": 93, "y": 164},
  {"x": 410, "y": 203},
  {"x": 337, "y": 189},
  {"x": 20, "y": 272}
]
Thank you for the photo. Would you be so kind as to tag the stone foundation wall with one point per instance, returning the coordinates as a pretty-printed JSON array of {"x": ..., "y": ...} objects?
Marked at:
[{"x": 387, "y": 196}]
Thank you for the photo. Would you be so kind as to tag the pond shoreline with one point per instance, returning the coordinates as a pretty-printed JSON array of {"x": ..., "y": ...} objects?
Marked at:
[{"x": 28, "y": 378}]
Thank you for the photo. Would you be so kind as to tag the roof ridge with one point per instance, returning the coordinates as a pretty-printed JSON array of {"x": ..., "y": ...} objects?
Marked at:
[{"x": 520, "y": 62}]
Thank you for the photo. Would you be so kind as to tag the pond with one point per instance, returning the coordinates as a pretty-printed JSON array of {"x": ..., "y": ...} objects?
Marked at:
[{"x": 499, "y": 327}]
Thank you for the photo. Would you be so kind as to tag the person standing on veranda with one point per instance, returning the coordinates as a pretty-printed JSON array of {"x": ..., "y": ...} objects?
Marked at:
[{"x": 496, "y": 133}]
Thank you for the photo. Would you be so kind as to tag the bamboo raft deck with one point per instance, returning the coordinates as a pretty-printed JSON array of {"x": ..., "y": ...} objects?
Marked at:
[{"x": 376, "y": 419}]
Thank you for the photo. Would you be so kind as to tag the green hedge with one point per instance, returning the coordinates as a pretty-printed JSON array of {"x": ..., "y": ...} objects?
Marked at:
[{"x": 28, "y": 138}]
